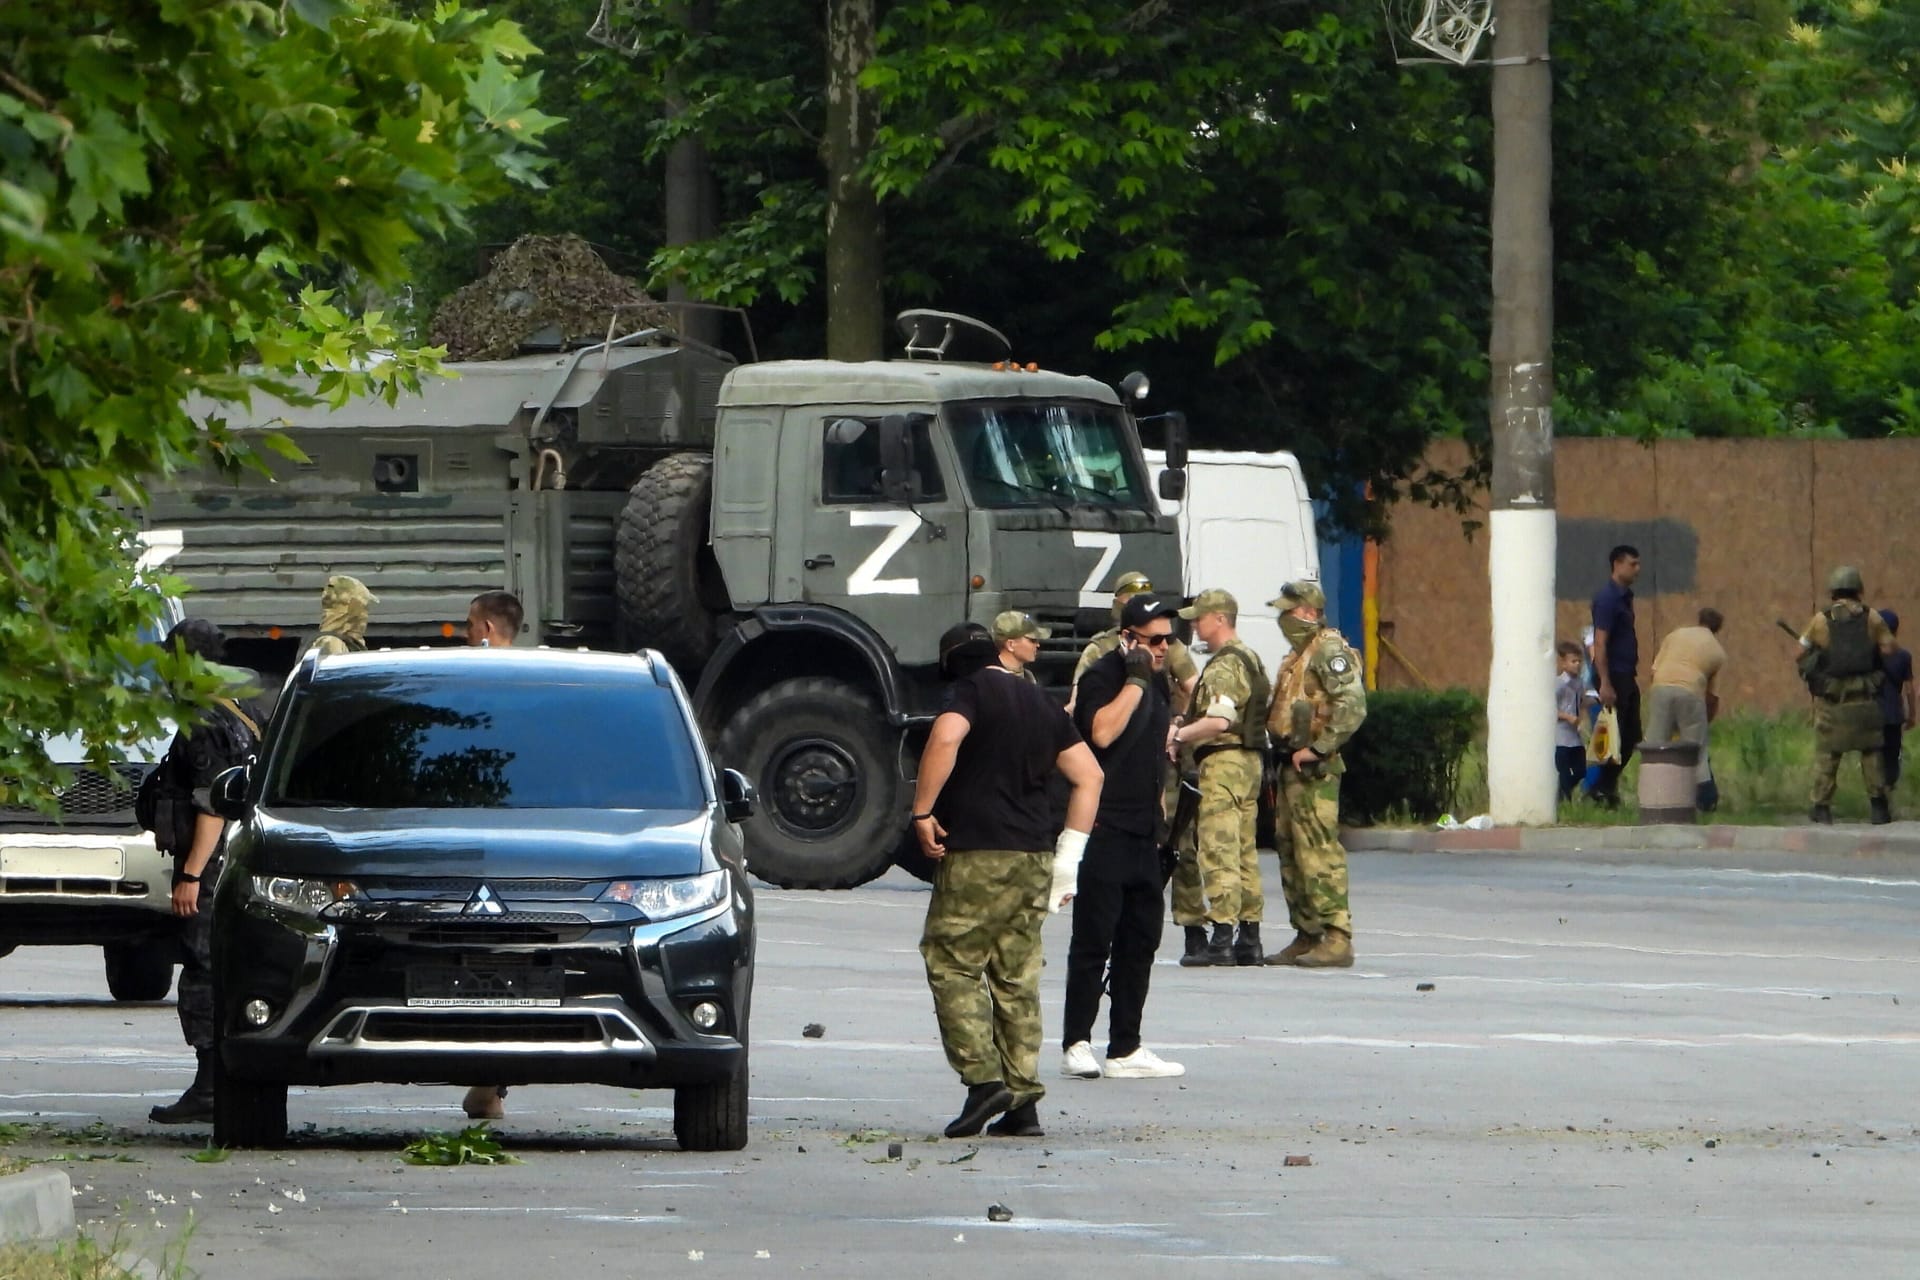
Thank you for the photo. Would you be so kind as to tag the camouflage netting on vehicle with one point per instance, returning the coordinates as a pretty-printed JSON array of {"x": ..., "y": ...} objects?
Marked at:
[{"x": 555, "y": 287}]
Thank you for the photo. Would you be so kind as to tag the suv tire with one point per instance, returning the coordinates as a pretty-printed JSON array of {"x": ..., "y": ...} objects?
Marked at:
[
  {"x": 713, "y": 1117},
  {"x": 139, "y": 970},
  {"x": 667, "y": 584},
  {"x": 804, "y": 744},
  {"x": 248, "y": 1114}
]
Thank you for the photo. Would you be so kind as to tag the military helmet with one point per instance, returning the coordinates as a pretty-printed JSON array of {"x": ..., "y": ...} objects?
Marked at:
[
  {"x": 1301, "y": 591},
  {"x": 1132, "y": 584},
  {"x": 1845, "y": 578}
]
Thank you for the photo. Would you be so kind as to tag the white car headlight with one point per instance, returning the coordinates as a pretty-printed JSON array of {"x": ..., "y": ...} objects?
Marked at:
[
  {"x": 308, "y": 897},
  {"x": 668, "y": 896}
]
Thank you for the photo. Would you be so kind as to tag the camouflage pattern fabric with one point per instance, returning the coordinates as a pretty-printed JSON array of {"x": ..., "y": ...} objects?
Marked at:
[
  {"x": 1179, "y": 660},
  {"x": 1189, "y": 895},
  {"x": 981, "y": 945},
  {"x": 1313, "y": 866},
  {"x": 1840, "y": 728},
  {"x": 1225, "y": 848},
  {"x": 1326, "y": 673}
]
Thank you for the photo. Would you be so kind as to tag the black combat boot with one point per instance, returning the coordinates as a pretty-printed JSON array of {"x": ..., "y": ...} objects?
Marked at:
[
  {"x": 1882, "y": 811},
  {"x": 1220, "y": 946},
  {"x": 1196, "y": 952},
  {"x": 984, "y": 1102},
  {"x": 1822, "y": 814},
  {"x": 195, "y": 1106},
  {"x": 1021, "y": 1122},
  {"x": 1246, "y": 946}
]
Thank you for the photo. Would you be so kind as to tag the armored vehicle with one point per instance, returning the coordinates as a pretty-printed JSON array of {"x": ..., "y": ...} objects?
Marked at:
[{"x": 793, "y": 535}]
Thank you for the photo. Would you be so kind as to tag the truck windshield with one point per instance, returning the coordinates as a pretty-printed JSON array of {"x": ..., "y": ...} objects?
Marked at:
[
  {"x": 1030, "y": 453},
  {"x": 406, "y": 743}
]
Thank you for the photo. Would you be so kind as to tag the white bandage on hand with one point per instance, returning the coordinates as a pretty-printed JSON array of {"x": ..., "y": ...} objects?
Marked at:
[{"x": 1066, "y": 869}]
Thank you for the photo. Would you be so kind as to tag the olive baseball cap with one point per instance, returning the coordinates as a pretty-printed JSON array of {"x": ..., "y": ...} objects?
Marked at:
[
  {"x": 1132, "y": 584},
  {"x": 342, "y": 589},
  {"x": 1301, "y": 591},
  {"x": 1212, "y": 600},
  {"x": 1013, "y": 624}
]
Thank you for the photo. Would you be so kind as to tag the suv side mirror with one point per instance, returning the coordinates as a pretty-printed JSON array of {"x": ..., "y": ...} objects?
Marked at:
[
  {"x": 896, "y": 458},
  {"x": 1176, "y": 441},
  {"x": 736, "y": 795},
  {"x": 1173, "y": 485},
  {"x": 228, "y": 794}
]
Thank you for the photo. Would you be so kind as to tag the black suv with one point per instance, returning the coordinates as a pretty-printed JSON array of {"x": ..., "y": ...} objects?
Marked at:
[{"x": 483, "y": 866}]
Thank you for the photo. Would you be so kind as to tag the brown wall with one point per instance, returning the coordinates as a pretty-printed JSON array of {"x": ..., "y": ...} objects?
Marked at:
[{"x": 1749, "y": 527}]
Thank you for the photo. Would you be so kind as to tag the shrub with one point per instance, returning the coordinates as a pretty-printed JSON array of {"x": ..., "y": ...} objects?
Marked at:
[{"x": 1406, "y": 757}]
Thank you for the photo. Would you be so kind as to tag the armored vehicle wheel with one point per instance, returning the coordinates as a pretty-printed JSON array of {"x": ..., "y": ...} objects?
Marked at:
[
  {"x": 712, "y": 1117},
  {"x": 831, "y": 796},
  {"x": 666, "y": 581},
  {"x": 139, "y": 970}
]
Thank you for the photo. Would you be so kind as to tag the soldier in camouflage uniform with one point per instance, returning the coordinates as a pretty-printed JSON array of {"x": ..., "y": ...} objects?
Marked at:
[
  {"x": 343, "y": 617},
  {"x": 1319, "y": 700},
  {"x": 1228, "y": 736},
  {"x": 980, "y": 810},
  {"x": 1841, "y": 650}
]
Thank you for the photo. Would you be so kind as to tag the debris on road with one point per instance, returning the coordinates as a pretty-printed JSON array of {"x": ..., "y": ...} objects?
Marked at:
[
  {"x": 1423, "y": 986},
  {"x": 813, "y": 1031},
  {"x": 999, "y": 1213},
  {"x": 895, "y": 1150},
  {"x": 1297, "y": 1162}
]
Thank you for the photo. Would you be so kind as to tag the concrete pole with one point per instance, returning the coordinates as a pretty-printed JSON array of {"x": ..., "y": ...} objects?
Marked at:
[{"x": 1521, "y": 526}]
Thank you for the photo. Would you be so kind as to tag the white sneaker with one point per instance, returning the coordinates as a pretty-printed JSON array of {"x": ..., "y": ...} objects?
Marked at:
[
  {"x": 1078, "y": 1062},
  {"x": 1142, "y": 1064}
]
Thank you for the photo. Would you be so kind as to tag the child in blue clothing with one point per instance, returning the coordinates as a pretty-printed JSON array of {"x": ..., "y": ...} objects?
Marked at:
[{"x": 1569, "y": 754}]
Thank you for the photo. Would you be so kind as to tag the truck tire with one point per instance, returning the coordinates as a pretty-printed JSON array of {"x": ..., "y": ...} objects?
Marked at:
[
  {"x": 139, "y": 970},
  {"x": 831, "y": 798},
  {"x": 667, "y": 584},
  {"x": 248, "y": 1114},
  {"x": 713, "y": 1117}
]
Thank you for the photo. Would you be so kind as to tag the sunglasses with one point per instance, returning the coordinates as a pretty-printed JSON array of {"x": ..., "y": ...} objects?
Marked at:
[{"x": 1155, "y": 641}]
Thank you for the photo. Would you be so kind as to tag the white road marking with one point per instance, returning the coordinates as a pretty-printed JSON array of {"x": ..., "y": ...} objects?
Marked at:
[{"x": 1572, "y": 944}]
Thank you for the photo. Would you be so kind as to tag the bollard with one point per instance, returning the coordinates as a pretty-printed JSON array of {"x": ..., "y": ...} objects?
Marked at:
[{"x": 1667, "y": 783}]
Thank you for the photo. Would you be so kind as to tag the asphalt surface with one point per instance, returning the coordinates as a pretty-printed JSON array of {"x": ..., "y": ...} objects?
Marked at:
[{"x": 1623, "y": 1068}]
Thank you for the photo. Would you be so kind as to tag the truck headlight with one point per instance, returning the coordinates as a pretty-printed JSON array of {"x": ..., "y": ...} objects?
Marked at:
[
  {"x": 665, "y": 897},
  {"x": 305, "y": 897}
]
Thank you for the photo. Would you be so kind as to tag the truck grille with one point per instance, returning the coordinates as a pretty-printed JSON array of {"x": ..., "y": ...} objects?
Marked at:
[{"x": 92, "y": 798}]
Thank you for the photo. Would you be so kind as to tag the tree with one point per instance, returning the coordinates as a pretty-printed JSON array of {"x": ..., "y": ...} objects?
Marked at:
[{"x": 172, "y": 177}]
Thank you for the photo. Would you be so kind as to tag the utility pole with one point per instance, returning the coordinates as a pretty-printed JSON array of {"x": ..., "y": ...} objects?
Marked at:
[
  {"x": 856, "y": 321},
  {"x": 1522, "y": 527}
]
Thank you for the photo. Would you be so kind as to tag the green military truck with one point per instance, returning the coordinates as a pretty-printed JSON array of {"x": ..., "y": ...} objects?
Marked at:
[{"x": 793, "y": 535}]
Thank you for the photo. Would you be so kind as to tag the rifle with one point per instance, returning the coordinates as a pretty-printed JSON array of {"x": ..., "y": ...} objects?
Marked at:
[{"x": 1185, "y": 810}]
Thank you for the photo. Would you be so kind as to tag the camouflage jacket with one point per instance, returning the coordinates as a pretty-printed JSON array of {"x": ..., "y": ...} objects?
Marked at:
[
  {"x": 1325, "y": 672},
  {"x": 1179, "y": 662}
]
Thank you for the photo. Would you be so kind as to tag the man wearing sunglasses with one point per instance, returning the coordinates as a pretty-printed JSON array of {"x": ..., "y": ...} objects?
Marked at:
[
  {"x": 1182, "y": 674},
  {"x": 1118, "y": 910}
]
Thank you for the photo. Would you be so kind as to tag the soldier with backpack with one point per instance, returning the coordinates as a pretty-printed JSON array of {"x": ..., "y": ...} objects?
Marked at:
[{"x": 1840, "y": 660}]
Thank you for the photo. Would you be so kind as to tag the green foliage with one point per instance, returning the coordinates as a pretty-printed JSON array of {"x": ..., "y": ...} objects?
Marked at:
[
  {"x": 1406, "y": 758},
  {"x": 474, "y": 1144},
  {"x": 172, "y": 177},
  {"x": 210, "y": 1154}
]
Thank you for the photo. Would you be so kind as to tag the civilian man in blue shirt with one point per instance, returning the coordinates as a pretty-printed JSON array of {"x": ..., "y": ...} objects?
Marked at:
[{"x": 1616, "y": 662}]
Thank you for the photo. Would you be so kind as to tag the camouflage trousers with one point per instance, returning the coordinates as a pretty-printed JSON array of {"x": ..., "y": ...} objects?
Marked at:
[
  {"x": 1313, "y": 866},
  {"x": 981, "y": 945},
  {"x": 1840, "y": 728},
  {"x": 1220, "y": 847}
]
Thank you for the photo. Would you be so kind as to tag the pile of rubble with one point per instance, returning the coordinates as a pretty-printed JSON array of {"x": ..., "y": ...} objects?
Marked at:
[{"x": 542, "y": 291}]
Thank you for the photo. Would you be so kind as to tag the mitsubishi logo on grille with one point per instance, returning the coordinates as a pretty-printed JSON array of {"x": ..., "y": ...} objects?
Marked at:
[{"x": 484, "y": 903}]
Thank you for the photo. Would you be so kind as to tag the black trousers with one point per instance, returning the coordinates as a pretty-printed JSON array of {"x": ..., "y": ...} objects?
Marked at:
[
  {"x": 195, "y": 957},
  {"x": 1627, "y": 707},
  {"x": 1118, "y": 912}
]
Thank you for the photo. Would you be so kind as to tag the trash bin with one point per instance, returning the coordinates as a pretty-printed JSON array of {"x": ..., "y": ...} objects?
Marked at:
[{"x": 1667, "y": 783}]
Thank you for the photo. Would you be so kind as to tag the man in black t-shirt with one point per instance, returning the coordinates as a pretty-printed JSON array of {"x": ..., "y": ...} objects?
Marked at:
[
  {"x": 980, "y": 810},
  {"x": 1123, "y": 711}
]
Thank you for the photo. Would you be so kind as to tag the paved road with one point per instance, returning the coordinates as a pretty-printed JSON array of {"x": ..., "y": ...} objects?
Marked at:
[{"x": 1622, "y": 1069}]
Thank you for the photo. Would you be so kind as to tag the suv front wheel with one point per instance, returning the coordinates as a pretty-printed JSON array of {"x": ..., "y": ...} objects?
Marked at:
[
  {"x": 248, "y": 1114},
  {"x": 713, "y": 1117},
  {"x": 139, "y": 970}
]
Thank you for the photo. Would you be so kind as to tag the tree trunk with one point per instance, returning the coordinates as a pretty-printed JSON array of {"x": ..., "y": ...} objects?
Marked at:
[
  {"x": 691, "y": 199},
  {"x": 1520, "y": 704},
  {"x": 856, "y": 321}
]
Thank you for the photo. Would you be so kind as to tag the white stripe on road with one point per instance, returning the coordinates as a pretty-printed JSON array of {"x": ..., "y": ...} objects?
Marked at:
[{"x": 1647, "y": 951}]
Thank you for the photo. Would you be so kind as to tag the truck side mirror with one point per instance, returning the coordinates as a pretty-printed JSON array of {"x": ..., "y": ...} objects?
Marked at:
[
  {"x": 736, "y": 795},
  {"x": 896, "y": 459},
  {"x": 1173, "y": 485},
  {"x": 228, "y": 794},
  {"x": 1176, "y": 443}
]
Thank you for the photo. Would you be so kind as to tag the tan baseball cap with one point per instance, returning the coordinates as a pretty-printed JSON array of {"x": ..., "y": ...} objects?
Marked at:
[
  {"x": 344, "y": 590},
  {"x": 1014, "y": 624},
  {"x": 1301, "y": 591},
  {"x": 1212, "y": 600}
]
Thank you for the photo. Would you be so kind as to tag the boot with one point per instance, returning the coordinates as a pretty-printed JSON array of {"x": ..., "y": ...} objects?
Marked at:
[
  {"x": 984, "y": 1101},
  {"x": 1333, "y": 951},
  {"x": 485, "y": 1102},
  {"x": 1291, "y": 953},
  {"x": 1882, "y": 811},
  {"x": 195, "y": 1106},
  {"x": 1220, "y": 947},
  {"x": 1822, "y": 814},
  {"x": 1021, "y": 1122},
  {"x": 1196, "y": 952},
  {"x": 1246, "y": 945}
]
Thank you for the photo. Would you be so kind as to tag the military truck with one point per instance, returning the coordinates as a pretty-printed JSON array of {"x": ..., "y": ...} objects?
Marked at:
[{"x": 793, "y": 535}]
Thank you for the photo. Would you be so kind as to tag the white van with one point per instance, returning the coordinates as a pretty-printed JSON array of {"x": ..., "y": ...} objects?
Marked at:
[{"x": 1246, "y": 525}]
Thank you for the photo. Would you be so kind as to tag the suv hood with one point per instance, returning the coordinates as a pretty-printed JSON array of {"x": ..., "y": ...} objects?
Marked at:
[{"x": 526, "y": 844}]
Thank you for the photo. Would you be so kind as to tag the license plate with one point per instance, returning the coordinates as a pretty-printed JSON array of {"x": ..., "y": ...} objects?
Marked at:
[
  {"x": 439, "y": 986},
  {"x": 48, "y": 863}
]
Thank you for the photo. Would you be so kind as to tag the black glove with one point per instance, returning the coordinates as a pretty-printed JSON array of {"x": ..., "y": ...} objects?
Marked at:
[{"x": 1139, "y": 665}]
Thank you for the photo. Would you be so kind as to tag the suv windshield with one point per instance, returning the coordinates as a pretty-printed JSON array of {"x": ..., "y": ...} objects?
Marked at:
[
  {"x": 1027, "y": 453},
  {"x": 401, "y": 742}
]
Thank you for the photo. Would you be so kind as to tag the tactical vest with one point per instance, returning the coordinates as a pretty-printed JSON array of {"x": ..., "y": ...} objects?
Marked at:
[
  {"x": 1293, "y": 688},
  {"x": 1252, "y": 725},
  {"x": 1850, "y": 647}
]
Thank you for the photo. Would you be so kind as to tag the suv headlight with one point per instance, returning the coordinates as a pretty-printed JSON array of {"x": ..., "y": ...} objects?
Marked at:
[
  {"x": 669, "y": 896},
  {"x": 305, "y": 897}
]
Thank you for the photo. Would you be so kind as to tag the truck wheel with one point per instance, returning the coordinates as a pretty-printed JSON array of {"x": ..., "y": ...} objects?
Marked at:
[
  {"x": 666, "y": 580},
  {"x": 139, "y": 970},
  {"x": 713, "y": 1117},
  {"x": 248, "y": 1114},
  {"x": 831, "y": 796}
]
